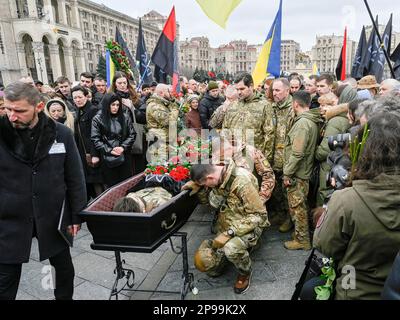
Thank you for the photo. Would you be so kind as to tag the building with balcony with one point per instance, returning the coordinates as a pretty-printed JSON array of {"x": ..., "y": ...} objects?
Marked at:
[
  {"x": 326, "y": 53},
  {"x": 41, "y": 38},
  {"x": 49, "y": 38}
]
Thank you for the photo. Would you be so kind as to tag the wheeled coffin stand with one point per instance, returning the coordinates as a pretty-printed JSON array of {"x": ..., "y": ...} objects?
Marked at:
[{"x": 138, "y": 232}]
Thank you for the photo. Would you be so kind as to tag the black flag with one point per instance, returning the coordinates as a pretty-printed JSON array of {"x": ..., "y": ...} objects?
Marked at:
[
  {"x": 366, "y": 60},
  {"x": 357, "y": 70},
  {"x": 395, "y": 57},
  {"x": 378, "y": 61},
  {"x": 142, "y": 57}
]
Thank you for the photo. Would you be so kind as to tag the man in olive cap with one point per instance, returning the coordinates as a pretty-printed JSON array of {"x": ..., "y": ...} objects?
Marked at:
[{"x": 209, "y": 104}]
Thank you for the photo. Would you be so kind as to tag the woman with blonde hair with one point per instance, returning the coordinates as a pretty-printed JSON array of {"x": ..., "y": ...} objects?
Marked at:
[{"x": 57, "y": 110}]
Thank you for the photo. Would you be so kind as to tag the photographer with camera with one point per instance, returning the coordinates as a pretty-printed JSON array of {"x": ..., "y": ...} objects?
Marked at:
[
  {"x": 333, "y": 127},
  {"x": 360, "y": 230}
]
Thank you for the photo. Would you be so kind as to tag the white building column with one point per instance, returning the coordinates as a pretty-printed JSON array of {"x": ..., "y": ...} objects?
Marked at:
[
  {"x": 32, "y": 9},
  {"x": 13, "y": 9},
  {"x": 49, "y": 11},
  {"x": 62, "y": 12},
  {"x": 69, "y": 63},
  {"x": 22, "y": 59},
  {"x": 75, "y": 14},
  {"x": 40, "y": 61},
  {"x": 82, "y": 67},
  {"x": 55, "y": 61}
]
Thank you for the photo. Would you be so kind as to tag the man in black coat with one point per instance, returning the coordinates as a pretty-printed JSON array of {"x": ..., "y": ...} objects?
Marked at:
[
  {"x": 209, "y": 104},
  {"x": 41, "y": 173}
]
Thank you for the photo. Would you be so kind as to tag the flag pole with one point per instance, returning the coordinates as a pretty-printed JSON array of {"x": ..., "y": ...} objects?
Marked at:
[
  {"x": 380, "y": 40},
  {"x": 144, "y": 74}
]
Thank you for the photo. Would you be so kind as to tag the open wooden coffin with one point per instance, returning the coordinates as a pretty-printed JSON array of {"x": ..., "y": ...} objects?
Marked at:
[{"x": 136, "y": 232}]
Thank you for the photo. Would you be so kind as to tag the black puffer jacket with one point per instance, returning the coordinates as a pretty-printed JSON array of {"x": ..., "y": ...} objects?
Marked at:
[
  {"x": 207, "y": 107},
  {"x": 117, "y": 134}
]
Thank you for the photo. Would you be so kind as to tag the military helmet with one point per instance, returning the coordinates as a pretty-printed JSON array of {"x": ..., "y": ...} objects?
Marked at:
[{"x": 206, "y": 258}]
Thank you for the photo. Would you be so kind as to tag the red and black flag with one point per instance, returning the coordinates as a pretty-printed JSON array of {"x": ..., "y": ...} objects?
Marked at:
[
  {"x": 341, "y": 66},
  {"x": 165, "y": 55}
]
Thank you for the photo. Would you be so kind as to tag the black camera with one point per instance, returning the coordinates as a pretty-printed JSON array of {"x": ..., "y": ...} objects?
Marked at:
[
  {"x": 339, "y": 141},
  {"x": 340, "y": 163}
]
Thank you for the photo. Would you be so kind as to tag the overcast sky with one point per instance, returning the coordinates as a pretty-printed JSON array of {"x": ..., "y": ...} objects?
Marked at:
[{"x": 252, "y": 19}]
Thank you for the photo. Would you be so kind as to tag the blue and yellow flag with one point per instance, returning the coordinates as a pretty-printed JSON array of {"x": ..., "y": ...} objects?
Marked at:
[
  {"x": 269, "y": 60},
  {"x": 110, "y": 68},
  {"x": 218, "y": 10},
  {"x": 315, "y": 70}
]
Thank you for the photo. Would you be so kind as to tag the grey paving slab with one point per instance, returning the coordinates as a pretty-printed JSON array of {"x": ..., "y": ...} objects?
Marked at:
[
  {"x": 100, "y": 270},
  {"x": 84, "y": 245},
  {"x": 279, "y": 290},
  {"x": 91, "y": 291},
  {"x": 31, "y": 270},
  {"x": 35, "y": 288},
  {"x": 142, "y": 261},
  {"x": 22, "y": 295}
]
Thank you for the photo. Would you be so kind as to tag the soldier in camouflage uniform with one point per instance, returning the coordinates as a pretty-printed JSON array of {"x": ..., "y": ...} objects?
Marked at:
[
  {"x": 241, "y": 220},
  {"x": 161, "y": 115},
  {"x": 279, "y": 121},
  {"x": 247, "y": 157},
  {"x": 246, "y": 117},
  {"x": 144, "y": 200},
  {"x": 300, "y": 147}
]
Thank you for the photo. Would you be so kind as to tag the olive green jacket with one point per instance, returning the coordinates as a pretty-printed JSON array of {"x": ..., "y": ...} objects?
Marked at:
[
  {"x": 361, "y": 229},
  {"x": 300, "y": 146}
]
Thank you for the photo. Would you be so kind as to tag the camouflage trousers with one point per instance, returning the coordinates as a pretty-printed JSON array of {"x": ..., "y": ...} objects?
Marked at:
[
  {"x": 235, "y": 251},
  {"x": 297, "y": 195},
  {"x": 278, "y": 206}
]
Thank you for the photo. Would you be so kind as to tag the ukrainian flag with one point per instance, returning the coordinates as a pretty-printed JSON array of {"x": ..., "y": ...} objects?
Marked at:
[
  {"x": 269, "y": 61},
  {"x": 315, "y": 70},
  {"x": 110, "y": 68}
]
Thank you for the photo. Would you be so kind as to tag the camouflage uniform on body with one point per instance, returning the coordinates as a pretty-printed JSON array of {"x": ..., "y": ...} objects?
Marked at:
[
  {"x": 160, "y": 115},
  {"x": 251, "y": 158},
  {"x": 246, "y": 115},
  {"x": 279, "y": 120},
  {"x": 300, "y": 147},
  {"x": 242, "y": 210},
  {"x": 152, "y": 197}
]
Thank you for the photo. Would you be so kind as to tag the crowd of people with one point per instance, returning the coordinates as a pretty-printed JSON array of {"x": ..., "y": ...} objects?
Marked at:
[{"x": 285, "y": 157}]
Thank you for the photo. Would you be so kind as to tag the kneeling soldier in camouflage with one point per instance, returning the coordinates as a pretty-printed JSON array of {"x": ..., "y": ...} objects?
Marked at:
[{"x": 241, "y": 220}]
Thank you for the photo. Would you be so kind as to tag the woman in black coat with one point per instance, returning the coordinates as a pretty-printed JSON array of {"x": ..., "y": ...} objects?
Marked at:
[
  {"x": 113, "y": 136},
  {"x": 133, "y": 107},
  {"x": 89, "y": 155}
]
